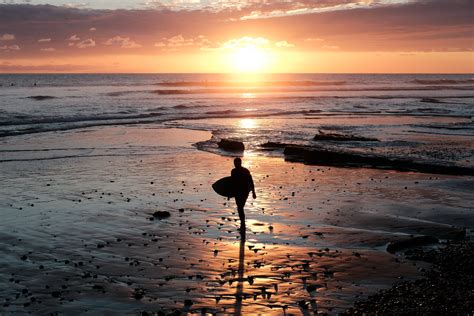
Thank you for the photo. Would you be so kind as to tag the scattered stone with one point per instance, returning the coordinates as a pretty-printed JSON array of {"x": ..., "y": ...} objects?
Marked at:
[
  {"x": 446, "y": 288},
  {"x": 161, "y": 215},
  {"x": 138, "y": 293},
  {"x": 312, "y": 287}
]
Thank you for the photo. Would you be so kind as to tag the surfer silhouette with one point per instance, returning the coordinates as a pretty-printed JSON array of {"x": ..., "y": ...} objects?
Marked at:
[{"x": 243, "y": 184}]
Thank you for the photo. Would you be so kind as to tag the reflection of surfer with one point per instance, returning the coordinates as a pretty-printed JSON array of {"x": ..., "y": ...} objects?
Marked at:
[{"x": 243, "y": 184}]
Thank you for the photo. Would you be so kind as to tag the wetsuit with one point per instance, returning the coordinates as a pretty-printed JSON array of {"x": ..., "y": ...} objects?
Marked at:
[{"x": 243, "y": 185}]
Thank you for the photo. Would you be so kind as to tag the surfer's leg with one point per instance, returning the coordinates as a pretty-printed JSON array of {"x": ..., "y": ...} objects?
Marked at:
[{"x": 240, "y": 200}]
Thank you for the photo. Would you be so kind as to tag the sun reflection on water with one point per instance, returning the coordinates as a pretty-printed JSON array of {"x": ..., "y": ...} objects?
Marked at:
[
  {"x": 247, "y": 123},
  {"x": 248, "y": 95}
]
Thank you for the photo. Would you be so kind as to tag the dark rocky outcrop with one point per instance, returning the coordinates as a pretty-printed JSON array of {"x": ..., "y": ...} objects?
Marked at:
[
  {"x": 413, "y": 242},
  {"x": 231, "y": 145},
  {"x": 273, "y": 145},
  {"x": 342, "y": 137},
  {"x": 311, "y": 155}
]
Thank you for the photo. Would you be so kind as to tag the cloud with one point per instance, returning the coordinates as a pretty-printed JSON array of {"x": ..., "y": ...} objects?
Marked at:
[
  {"x": 44, "y": 40},
  {"x": 314, "y": 39},
  {"x": 123, "y": 42},
  {"x": 245, "y": 41},
  {"x": 7, "y": 37},
  {"x": 10, "y": 48},
  {"x": 284, "y": 44},
  {"x": 179, "y": 41},
  {"x": 15, "y": 67},
  {"x": 48, "y": 49},
  {"x": 74, "y": 38},
  {"x": 416, "y": 25},
  {"x": 86, "y": 43},
  {"x": 76, "y": 5},
  {"x": 92, "y": 29},
  {"x": 176, "y": 41}
]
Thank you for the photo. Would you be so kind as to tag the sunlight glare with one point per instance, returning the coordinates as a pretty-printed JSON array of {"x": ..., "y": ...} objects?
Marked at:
[
  {"x": 249, "y": 59},
  {"x": 248, "y": 95},
  {"x": 247, "y": 123}
]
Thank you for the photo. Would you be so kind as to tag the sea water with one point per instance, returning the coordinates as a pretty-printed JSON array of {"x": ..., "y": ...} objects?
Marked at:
[{"x": 424, "y": 117}]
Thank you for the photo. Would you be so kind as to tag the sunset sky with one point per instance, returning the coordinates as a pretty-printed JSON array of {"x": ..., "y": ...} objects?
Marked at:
[{"x": 350, "y": 36}]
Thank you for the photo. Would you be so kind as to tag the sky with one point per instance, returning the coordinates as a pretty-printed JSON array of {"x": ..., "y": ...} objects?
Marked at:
[{"x": 318, "y": 36}]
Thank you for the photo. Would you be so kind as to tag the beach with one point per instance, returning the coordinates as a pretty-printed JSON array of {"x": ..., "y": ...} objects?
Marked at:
[
  {"x": 78, "y": 234},
  {"x": 83, "y": 180}
]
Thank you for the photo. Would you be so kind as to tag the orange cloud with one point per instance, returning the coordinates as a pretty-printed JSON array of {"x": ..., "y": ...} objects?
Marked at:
[
  {"x": 10, "y": 48},
  {"x": 7, "y": 37},
  {"x": 86, "y": 43},
  {"x": 74, "y": 38},
  {"x": 123, "y": 42}
]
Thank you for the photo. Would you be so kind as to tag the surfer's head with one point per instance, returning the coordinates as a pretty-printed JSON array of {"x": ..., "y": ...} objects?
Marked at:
[{"x": 237, "y": 162}]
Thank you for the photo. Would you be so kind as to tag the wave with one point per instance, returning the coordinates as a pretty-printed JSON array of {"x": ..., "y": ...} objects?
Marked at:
[
  {"x": 74, "y": 119},
  {"x": 41, "y": 97},
  {"x": 241, "y": 90},
  {"x": 241, "y": 84},
  {"x": 19, "y": 124},
  {"x": 442, "y": 81}
]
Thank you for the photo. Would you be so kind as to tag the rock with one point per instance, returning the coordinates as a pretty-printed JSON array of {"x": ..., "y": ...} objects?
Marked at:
[
  {"x": 270, "y": 145},
  {"x": 457, "y": 234},
  {"x": 231, "y": 145},
  {"x": 138, "y": 293},
  {"x": 418, "y": 241},
  {"x": 161, "y": 214},
  {"x": 342, "y": 137},
  {"x": 324, "y": 157},
  {"x": 312, "y": 287},
  {"x": 302, "y": 304},
  {"x": 56, "y": 294}
]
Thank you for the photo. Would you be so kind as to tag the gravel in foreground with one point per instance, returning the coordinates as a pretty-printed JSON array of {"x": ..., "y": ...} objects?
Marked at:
[{"x": 446, "y": 288}]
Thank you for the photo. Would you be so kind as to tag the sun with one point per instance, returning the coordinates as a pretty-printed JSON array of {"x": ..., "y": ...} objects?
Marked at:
[{"x": 249, "y": 59}]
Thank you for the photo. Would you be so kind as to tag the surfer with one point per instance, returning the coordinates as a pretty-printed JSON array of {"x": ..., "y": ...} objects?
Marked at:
[{"x": 243, "y": 183}]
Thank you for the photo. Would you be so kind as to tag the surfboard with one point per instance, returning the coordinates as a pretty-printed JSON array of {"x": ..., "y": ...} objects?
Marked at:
[{"x": 224, "y": 187}]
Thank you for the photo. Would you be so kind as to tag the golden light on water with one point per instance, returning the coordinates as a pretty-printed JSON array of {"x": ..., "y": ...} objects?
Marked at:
[
  {"x": 247, "y": 123},
  {"x": 248, "y": 95}
]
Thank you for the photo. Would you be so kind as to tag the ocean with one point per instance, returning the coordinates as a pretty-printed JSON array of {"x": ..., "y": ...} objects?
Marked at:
[{"x": 424, "y": 117}]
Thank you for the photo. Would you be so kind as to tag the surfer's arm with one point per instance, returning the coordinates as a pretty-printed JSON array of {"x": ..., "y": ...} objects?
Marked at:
[{"x": 252, "y": 186}]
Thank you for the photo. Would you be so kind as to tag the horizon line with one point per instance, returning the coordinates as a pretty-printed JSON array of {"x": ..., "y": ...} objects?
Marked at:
[{"x": 236, "y": 74}]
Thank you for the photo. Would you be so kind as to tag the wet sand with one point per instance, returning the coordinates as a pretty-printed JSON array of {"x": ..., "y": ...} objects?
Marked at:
[{"x": 78, "y": 234}]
